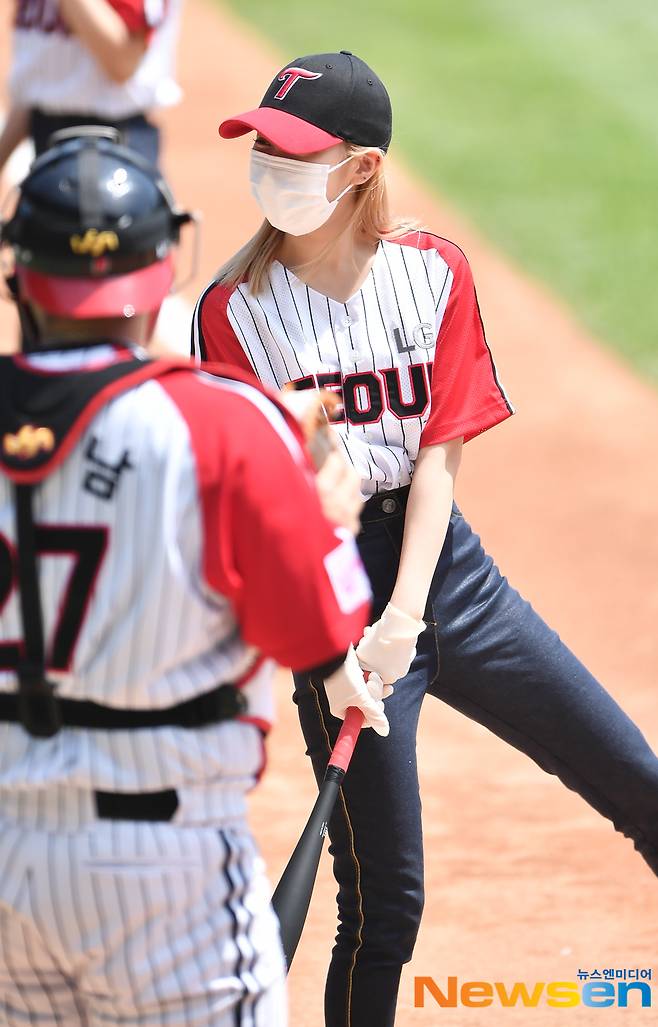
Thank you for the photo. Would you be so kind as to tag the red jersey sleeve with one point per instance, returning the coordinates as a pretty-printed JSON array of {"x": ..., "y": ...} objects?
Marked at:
[
  {"x": 213, "y": 337},
  {"x": 299, "y": 590},
  {"x": 141, "y": 15},
  {"x": 467, "y": 397}
]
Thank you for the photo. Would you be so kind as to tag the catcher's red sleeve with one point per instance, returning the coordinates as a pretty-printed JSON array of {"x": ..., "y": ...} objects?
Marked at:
[
  {"x": 299, "y": 590},
  {"x": 467, "y": 397}
]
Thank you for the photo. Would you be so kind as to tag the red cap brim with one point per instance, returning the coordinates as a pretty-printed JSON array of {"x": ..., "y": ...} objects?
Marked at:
[
  {"x": 283, "y": 130},
  {"x": 81, "y": 298}
]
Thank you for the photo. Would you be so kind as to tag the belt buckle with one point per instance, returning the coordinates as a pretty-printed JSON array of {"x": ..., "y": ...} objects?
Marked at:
[{"x": 38, "y": 708}]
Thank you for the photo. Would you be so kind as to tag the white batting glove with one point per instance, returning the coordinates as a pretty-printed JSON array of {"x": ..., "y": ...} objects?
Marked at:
[
  {"x": 346, "y": 687},
  {"x": 388, "y": 646}
]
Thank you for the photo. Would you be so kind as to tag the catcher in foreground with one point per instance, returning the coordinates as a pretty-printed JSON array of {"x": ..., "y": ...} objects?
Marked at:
[{"x": 161, "y": 545}]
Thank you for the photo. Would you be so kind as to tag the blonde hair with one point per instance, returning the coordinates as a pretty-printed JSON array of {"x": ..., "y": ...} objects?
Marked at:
[{"x": 371, "y": 217}]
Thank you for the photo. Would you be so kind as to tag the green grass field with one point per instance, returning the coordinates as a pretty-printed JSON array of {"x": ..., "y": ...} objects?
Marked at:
[{"x": 539, "y": 121}]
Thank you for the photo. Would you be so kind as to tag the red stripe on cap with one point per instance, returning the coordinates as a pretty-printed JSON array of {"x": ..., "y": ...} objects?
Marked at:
[
  {"x": 143, "y": 290},
  {"x": 285, "y": 131}
]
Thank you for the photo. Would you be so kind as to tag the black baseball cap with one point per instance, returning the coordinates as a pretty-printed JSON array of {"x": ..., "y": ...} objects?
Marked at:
[{"x": 317, "y": 101}]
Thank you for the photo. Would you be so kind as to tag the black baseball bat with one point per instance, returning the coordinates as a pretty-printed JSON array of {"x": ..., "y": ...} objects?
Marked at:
[{"x": 292, "y": 895}]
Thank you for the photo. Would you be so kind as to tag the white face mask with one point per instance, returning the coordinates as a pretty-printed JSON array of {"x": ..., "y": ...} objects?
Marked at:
[{"x": 293, "y": 193}]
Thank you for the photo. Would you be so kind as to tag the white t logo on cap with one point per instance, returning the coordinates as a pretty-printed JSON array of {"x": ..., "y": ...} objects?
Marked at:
[{"x": 292, "y": 75}]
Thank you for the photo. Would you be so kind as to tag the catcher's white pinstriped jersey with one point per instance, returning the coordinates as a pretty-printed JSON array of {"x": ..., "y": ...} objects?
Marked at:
[
  {"x": 181, "y": 544},
  {"x": 170, "y": 611},
  {"x": 407, "y": 352}
]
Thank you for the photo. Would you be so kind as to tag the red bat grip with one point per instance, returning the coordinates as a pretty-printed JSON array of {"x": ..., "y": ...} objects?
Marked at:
[{"x": 344, "y": 747}]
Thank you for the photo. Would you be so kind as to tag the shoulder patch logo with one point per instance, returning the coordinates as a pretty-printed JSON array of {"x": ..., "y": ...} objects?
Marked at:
[
  {"x": 292, "y": 75},
  {"x": 27, "y": 442},
  {"x": 94, "y": 242}
]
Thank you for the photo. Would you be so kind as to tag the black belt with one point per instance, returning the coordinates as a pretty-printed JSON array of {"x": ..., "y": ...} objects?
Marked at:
[
  {"x": 222, "y": 703},
  {"x": 136, "y": 805}
]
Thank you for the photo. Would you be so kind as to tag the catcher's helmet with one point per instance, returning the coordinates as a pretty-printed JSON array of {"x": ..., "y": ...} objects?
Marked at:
[{"x": 93, "y": 229}]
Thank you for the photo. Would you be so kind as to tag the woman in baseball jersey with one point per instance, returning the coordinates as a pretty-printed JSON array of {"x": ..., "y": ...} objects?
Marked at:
[
  {"x": 81, "y": 62},
  {"x": 333, "y": 292}
]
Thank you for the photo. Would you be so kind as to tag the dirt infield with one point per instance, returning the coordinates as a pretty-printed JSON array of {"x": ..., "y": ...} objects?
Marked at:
[{"x": 524, "y": 881}]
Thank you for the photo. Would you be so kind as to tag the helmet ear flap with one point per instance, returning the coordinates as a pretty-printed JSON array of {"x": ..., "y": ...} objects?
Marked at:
[{"x": 30, "y": 332}]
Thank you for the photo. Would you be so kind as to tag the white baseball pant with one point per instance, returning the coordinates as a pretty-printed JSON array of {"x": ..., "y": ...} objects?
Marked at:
[{"x": 113, "y": 922}]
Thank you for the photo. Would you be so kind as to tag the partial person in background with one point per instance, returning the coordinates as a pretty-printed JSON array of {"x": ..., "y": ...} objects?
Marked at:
[{"x": 78, "y": 62}]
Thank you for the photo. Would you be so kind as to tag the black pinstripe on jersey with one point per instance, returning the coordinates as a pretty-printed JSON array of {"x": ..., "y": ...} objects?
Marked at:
[{"x": 291, "y": 332}]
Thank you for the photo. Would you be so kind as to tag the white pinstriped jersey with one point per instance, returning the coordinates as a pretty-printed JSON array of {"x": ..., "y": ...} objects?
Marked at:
[
  {"x": 167, "y": 563},
  {"x": 407, "y": 352}
]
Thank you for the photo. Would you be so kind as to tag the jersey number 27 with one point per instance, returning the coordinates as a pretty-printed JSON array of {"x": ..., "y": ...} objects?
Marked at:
[{"x": 87, "y": 546}]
